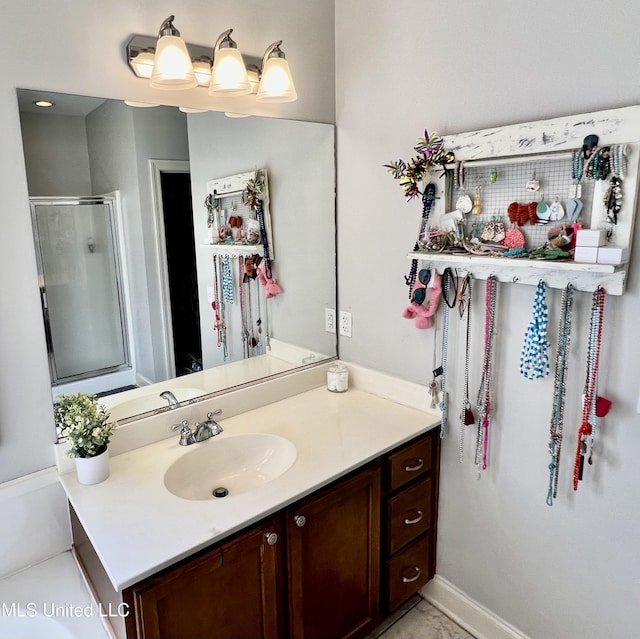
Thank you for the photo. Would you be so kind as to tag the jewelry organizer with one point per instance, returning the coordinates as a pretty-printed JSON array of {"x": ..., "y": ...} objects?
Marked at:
[
  {"x": 224, "y": 202},
  {"x": 501, "y": 163}
]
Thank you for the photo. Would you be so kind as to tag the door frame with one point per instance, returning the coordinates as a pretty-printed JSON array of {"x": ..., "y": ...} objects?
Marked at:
[{"x": 157, "y": 167}]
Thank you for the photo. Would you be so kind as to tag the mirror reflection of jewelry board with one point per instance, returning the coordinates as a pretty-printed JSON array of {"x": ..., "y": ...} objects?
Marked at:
[{"x": 228, "y": 206}]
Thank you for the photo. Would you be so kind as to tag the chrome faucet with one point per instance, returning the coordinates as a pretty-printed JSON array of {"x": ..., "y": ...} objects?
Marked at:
[
  {"x": 170, "y": 397},
  {"x": 208, "y": 428},
  {"x": 203, "y": 431}
]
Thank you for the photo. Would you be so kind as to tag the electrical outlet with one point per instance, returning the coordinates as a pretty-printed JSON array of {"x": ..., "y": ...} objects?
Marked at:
[
  {"x": 330, "y": 320},
  {"x": 345, "y": 323}
]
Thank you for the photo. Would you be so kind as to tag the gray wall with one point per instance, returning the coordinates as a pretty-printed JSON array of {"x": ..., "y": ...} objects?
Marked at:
[
  {"x": 56, "y": 155},
  {"x": 84, "y": 53},
  {"x": 562, "y": 572}
]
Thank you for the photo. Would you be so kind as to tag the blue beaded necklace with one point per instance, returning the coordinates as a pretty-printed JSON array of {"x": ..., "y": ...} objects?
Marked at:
[{"x": 534, "y": 361}]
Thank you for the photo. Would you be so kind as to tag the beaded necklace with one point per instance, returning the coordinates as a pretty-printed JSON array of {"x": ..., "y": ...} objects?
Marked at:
[
  {"x": 587, "y": 430},
  {"x": 534, "y": 360},
  {"x": 484, "y": 392},
  {"x": 466, "y": 414},
  {"x": 428, "y": 198},
  {"x": 243, "y": 310},
  {"x": 218, "y": 307},
  {"x": 559, "y": 391}
]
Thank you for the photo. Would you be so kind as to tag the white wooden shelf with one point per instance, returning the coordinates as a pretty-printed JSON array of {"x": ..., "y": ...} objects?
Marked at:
[
  {"x": 554, "y": 273},
  {"x": 235, "y": 249}
]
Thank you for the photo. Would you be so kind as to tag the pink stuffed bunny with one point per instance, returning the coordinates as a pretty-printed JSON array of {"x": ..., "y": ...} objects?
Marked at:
[{"x": 423, "y": 313}]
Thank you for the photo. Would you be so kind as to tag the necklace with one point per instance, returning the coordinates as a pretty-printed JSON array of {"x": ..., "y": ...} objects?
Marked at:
[
  {"x": 466, "y": 414},
  {"x": 428, "y": 198},
  {"x": 559, "y": 391},
  {"x": 218, "y": 307},
  {"x": 484, "y": 392},
  {"x": 243, "y": 310},
  {"x": 534, "y": 361},
  {"x": 449, "y": 294},
  {"x": 587, "y": 430}
]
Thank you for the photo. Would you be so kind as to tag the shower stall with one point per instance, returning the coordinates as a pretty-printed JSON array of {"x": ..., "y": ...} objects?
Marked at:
[{"x": 81, "y": 288}]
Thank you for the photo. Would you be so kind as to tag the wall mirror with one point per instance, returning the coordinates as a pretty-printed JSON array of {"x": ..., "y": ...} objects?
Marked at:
[{"x": 134, "y": 290}]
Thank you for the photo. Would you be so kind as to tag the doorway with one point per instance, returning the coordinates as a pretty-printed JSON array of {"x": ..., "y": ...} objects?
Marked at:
[{"x": 181, "y": 275}]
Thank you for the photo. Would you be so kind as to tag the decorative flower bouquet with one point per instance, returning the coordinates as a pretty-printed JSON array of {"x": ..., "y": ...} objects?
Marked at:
[
  {"x": 84, "y": 423},
  {"x": 430, "y": 154}
]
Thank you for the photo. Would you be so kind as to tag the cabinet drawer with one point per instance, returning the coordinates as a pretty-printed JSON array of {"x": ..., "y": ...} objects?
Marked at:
[
  {"x": 407, "y": 572},
  {"x": 409, "y": 463},
  {"x": 408, "y": 515}
]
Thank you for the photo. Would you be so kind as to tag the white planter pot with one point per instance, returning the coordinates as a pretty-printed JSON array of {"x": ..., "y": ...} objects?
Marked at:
[{"x": 93, "y": 470}]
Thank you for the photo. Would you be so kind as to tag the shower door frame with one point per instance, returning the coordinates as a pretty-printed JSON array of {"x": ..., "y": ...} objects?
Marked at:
[{"x": 112, "y": 200}]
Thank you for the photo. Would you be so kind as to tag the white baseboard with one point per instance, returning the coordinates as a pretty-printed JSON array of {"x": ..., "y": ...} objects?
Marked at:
[{"x": 468, "y": 613}]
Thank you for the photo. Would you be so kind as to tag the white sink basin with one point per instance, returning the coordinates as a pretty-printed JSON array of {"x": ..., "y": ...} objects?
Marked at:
[
  {"x": 229, "y": 465},
  {"x": 149, "y": 401}
]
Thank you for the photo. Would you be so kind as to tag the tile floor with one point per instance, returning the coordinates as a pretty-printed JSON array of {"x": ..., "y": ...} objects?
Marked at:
[
  {"x": 50, "y": 601},
  {"x": 422, "y": 621}
]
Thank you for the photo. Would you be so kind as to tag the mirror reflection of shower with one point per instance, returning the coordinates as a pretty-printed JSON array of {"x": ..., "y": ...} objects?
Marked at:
[{"x": 82, "y": 291}]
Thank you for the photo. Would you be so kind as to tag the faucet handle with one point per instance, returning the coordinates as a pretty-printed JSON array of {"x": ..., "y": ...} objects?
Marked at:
[
  {"x": 216, "y": 429},
  {"x": 186, "y": 434},
  {"x": 183, "y": 425}
]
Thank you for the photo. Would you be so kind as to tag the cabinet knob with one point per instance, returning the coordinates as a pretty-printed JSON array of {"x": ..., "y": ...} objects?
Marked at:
[
  {"x": 414, "y": 465},
  {"x": 271, "y": 537},
  {"x": 415, "y": 520},
  {"x": 408, "y": 580},
  {"x": 300, "y": 520}
]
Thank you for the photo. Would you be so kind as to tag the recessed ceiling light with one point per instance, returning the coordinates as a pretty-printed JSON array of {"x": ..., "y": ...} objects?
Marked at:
[{"x": 44, "y": 103}]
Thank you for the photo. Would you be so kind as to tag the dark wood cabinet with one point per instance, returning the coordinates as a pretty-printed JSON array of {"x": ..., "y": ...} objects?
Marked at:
[
  {"x": 231, "y": 592},
  {"x": 333, "y": 551},
  {"x": 326, "y": 567},
  {"x": 409, "y": 518}
]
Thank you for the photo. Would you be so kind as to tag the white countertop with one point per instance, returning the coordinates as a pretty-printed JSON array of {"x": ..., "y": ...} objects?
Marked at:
[{"x": 138, "y": 527}]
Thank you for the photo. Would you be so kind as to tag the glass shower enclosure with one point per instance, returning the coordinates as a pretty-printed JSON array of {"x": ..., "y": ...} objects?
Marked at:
[{"x": 81, "y": 286}]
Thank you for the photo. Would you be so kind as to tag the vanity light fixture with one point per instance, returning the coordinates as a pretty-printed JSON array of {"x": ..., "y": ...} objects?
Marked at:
[
  {"x": 229, "y": 73},
  {"x": 170, "y": 63},
  {"x": 276, "y": 83},
  {"x": 143, "y": 63},
  {"x": 172, "y": 66}
]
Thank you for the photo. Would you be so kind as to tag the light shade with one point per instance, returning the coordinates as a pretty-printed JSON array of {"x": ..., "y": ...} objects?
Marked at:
[
  {"x": 202, "y": 69},
  {"x": 172, "y": 67},
  {"x": 143, "y": 64},
  {"x": 229, "y": 74},
  {"x": 276, "y": 83}
]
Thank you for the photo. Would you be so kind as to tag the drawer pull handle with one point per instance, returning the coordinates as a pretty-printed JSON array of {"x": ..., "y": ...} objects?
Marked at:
[
  {"x": 300, "y": 520},
  {"x": 408, "y": 580},
  {"x": 419, "y": 465},
  {"x": 415, "y": 520}
]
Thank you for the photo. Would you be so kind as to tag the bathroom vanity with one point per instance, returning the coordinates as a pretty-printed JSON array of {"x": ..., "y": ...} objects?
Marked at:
[{"x": 327, "y": 549}]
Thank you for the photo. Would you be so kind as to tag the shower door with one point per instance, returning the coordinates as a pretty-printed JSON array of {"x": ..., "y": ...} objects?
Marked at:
[{"x": 80, "y": 286}]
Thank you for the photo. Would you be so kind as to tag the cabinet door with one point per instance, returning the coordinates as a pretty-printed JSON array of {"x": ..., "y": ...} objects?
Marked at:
[
  {"x": 231, "y": 592},
  {"x": 333, "y": 551}
]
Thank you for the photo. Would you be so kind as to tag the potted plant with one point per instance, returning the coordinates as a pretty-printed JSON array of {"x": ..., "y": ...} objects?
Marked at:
[{"x": 87, "y": 428}]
